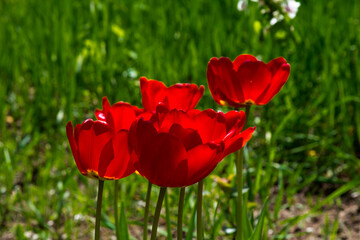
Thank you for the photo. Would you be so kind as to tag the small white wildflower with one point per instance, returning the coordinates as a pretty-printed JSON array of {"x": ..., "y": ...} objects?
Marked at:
[
  {"x": 292, "y": 7},
  {"x": 241, "y": 6}
]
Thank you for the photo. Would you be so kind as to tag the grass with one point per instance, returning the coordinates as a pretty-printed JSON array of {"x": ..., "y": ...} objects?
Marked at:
[{"x": 58, "y": 58}]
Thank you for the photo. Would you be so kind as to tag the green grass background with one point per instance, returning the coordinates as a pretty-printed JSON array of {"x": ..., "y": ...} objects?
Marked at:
[{"x": 59, "y": 58}]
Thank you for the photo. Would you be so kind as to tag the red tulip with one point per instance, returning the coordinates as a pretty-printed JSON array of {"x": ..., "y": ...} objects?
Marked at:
[
  {"x": 182, "y": 96},
  {"x": 100, "y": 148},
  {"x": 177, "y": 148},
  {"x": 246, "y": 80}
]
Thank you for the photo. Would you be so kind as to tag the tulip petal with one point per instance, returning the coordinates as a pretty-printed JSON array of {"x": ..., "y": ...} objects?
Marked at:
[
  {"x": 189, "y": 137},
  {"x": 119, "y": 166},
  {"x": 222, "y": 81},
  {"x": 118, "y": 116},
  {"x": 202, "y": 161},
  {"x": 101, "y": 114},
  {"x": 238, "y": 141},
  {"x": 254, "y": 78},
  {"x": 106, "y": 157},
  {"x": 184, "y": 96},
  {"x": 153, "y": 92},
  {"x": 123, "y": 115},
  {"x": 280, "y": 73},
  {"x": 175, "y": 117},
  {"x": 234, "y": 117},
  {"x": 275, "y": 64},
  {"x": 242, "y": 59},
  {"x": 140, "y": 133},
  {"x": 211, "y": 125},
  {"x": 73, "y": 146},
  {"x": 92, "y": 138},
  {"x": 163, "y": 161}
]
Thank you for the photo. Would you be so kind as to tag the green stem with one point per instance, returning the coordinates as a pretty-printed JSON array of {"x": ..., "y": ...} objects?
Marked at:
[
  {"x": 157, "y": 213},
  {"x": 199, "y": 210},
  {"x": 116, "y": 213},
  {"x": 146, "y": 214},
  {"x": 180, "y": 213},
  {"x": 239, "y": 181},
  {"x": 98, "y": 210}
]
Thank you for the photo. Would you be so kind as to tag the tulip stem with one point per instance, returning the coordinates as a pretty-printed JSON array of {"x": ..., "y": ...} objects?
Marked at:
[
  {"x": 146, "y": 214},
  {"x": 157, "y": 213},
  {"x": 199, "y": 235},
  {"x": 239, "y": 181},
  {"x": 180, "y": 213},
  {"x": 98, "y": 210},
  {"x": 116, "y": 213}
]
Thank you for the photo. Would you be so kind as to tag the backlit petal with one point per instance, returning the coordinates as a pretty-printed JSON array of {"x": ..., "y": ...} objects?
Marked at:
[
  {"x": 280, "y": 74},
  {"x": 189, "y": 137},
  {"x": 73, "y": 146},
  {"x": 202, "y": 161},
  {"x": 119, "y": 166},
  {"x": 153, "y": 92},
  {"x": 239, "y": 60},
  {"x": 211, "y": 125},
  {"x": 238, "y": 141},
  {"x": 254, "y": 78},
  {"x": 222, "y": 81}
]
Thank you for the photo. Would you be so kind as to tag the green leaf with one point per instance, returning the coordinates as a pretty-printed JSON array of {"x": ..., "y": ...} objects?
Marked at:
[
  {"x": 190, "y": 231},
  {"x": 256, "y": 235},
  {"x": 167, "y": 217},
  {"x": 105, "y": 220},
  {"x": 37, "y": 214},
  {"x": 337, "y": 193},
  {"x": 124, "y": 232},
  {"x": 247, "y": 228},
  {"x": 279, "y": 196}
]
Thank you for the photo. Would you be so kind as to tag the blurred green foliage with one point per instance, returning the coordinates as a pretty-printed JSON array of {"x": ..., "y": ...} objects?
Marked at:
[{"x": 58, "y": 58}]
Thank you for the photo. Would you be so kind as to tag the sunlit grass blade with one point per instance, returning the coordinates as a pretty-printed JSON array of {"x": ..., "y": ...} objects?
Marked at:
[
  {"x": 337, "y": 193},
  {"x": 335, "y": 228},
  {"x": 247, "y": 226},
  {"x": 124, "y": 232},
  {"x": 280, "y": 195},
  {"x": 116, "y": 213},
  {"x": 157, "y": 213},
  {"x": 167, "y": 216},
  {"x": 217, "y": 220},
  {"x": 258, "y": 230},
  {"x": 191, "y": 226}
]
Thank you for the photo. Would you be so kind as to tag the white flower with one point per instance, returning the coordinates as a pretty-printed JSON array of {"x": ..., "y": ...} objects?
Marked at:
[
  {"x": 291, "y": 8},
  {"x": 241, "y": 6}
]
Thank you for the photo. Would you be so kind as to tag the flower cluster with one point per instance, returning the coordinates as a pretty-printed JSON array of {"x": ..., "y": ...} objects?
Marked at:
[{"x": 168, "y": 141}]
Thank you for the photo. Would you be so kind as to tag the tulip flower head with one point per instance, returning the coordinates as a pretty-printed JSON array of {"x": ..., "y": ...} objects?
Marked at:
[
  {"x": 246, "y": 80},
  {"x": 100, "y": 148},
  {"x": 182, "y": 96},
  {"x": 177, "y": 148}
]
